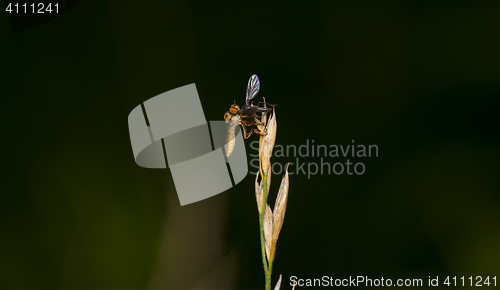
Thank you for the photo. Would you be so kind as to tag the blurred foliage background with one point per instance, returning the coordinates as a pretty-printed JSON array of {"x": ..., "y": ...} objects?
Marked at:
[{"x": 420, "y": 79}]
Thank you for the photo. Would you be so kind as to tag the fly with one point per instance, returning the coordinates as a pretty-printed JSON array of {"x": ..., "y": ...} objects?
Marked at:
[{"x": 245, "y": 116}]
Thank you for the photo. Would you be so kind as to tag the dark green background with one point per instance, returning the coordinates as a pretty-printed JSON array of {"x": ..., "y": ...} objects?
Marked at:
[{"x": 417, "y": 78}]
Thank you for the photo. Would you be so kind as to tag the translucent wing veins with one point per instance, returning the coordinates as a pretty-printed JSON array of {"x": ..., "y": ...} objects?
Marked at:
[{"x": 252, "y": 88}]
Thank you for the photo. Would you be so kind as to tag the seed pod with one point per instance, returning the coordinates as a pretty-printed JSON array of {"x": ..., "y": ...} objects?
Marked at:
[
  {"x": 280, "y": 206},
  {"x": 268, "y": 230},
  {"x": 259, "y": 193},
  {"x": 267, "y": 143},
  {"x": 268, "y": 181},
  {"x": 259, "y": 190},
  {"x": 278, "y": 284}
]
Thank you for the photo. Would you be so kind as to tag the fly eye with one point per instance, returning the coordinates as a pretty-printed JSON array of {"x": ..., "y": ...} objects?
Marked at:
[{"x": 234, "y": 108}]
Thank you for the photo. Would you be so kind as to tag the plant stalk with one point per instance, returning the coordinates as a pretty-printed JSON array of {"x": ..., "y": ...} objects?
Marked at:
[{"x": 267, "y": 269}]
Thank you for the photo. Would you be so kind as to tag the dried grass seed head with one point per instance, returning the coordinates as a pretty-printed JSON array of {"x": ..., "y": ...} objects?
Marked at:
[
  {"x": 268, "y": 231},
  {"x": 280, "y": 206},
  {"x": 267, "y": 143}
]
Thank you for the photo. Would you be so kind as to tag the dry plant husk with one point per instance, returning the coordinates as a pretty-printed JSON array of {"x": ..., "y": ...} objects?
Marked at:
[{"x": 272, "y": 222}]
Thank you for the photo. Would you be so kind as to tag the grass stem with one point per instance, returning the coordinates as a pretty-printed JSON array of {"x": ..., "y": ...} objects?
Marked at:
[{"x": 267, "y": 269}]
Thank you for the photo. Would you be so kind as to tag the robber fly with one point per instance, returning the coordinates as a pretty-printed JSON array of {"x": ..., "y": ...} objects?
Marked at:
[{"x": 246, "y": 116}]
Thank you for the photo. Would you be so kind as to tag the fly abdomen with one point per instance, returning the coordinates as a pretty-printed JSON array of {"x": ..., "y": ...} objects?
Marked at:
[
  {"x": 230, "y": 140},
  {"x": 231, "y": 132}
]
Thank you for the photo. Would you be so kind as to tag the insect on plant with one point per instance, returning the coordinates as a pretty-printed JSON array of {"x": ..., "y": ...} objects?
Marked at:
[
  {"x": 270, "y": 220},
  {"x": 245, "y": 116}
]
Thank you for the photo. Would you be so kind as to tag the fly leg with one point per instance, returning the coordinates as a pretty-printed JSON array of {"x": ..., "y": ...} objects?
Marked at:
[
  {"x": 262, "y": 128},
  {"x": 255, "y": 122},
  {"x": 247, "y": 135},
  {"x": 263, "y": 102}
]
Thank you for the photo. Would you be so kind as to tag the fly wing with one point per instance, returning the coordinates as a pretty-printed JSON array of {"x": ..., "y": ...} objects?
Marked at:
[{"x": 252, "y": 88}]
